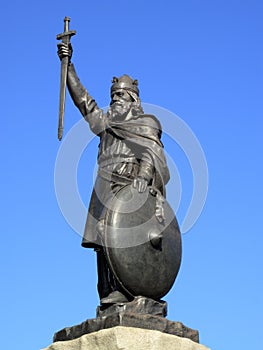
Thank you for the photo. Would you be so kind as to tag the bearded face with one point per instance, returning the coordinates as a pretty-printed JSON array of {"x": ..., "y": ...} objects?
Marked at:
[{"x": 123, "y": 101}]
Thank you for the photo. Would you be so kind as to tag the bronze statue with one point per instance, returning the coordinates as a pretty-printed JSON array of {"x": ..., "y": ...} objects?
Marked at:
[{"x": 131, "y": 163}]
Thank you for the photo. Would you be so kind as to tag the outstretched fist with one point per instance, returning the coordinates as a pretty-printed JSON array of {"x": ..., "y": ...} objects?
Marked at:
[{"x": 65, "y": 50}]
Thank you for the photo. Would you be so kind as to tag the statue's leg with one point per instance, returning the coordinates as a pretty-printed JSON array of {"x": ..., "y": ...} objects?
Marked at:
[
  {"x": 109, "y": 289},
  {"x": 104, "y": 283}
]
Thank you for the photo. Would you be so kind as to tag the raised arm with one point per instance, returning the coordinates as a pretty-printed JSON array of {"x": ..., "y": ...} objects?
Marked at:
[{"x": 80, "y": 96}]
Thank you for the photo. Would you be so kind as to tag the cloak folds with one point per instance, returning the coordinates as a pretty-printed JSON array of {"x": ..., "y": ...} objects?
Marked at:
[{"x": 143, "y": 133}]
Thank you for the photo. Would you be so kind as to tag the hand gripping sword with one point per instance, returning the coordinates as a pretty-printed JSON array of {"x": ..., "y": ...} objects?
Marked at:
[{"x": 65, "y": 37}]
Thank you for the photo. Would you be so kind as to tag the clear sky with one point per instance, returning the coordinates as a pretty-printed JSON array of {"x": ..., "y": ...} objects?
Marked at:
[{"x": 201, "y": 60}]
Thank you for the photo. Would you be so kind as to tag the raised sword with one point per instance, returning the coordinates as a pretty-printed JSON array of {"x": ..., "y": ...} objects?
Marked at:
[{"x": 65, "y": 37}]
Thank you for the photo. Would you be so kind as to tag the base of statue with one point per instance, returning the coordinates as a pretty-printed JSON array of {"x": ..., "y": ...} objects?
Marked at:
[
  {"x": 142, "y": 313},
  {"x": 127, "y": 338}
]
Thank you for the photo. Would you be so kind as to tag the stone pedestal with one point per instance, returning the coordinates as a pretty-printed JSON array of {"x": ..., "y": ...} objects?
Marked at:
[
  {"x": 140, "y": 313},
  {"x": 127, "y": 338}
]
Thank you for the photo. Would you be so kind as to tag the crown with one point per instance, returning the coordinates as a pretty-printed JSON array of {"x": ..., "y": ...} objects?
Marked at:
[{"x": 124, "y": 82}]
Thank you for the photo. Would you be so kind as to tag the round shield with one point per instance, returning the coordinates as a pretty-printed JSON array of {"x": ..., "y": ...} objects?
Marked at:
[{"x": 142, "y": 242}]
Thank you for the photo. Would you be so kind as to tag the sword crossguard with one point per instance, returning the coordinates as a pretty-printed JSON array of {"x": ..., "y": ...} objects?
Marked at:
[{"x": 67, "y": 34}]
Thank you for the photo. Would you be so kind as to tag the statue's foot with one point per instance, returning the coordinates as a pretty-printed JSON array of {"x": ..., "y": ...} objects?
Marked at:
[{"x": 114, "y": 298}]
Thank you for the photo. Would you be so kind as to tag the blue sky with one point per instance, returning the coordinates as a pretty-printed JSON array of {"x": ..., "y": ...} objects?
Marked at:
[{"x": 202, "y": 60}]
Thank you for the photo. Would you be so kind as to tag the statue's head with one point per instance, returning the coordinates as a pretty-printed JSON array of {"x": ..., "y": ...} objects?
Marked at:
[{"x": 124, "y": 89}]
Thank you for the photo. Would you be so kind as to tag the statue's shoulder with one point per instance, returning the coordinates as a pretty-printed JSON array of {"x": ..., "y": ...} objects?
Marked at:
[{"x": 151, "y": 120}]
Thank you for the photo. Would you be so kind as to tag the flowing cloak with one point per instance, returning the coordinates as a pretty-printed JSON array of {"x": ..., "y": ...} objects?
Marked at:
[{"x": 142, "y": 134}]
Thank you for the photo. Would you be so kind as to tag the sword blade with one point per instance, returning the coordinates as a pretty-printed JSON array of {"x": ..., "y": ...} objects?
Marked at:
[{"x": 62, "y": 97}]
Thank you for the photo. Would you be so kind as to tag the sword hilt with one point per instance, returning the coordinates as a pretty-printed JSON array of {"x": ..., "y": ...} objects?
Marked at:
[
  {"x": 66, "y": 24},
  {"x": 67, "y": 34}
]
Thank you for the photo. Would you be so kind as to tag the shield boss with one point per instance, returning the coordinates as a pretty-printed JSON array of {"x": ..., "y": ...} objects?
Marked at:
[{"x": 143, "y": 253}]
